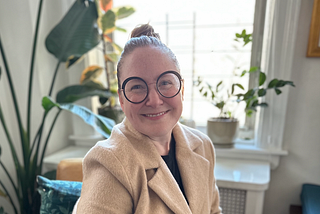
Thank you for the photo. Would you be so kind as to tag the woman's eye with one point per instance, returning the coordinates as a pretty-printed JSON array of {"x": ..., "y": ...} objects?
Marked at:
[
  {"x": 163, "y": 83},
  {"x": 137, "y": 87}
]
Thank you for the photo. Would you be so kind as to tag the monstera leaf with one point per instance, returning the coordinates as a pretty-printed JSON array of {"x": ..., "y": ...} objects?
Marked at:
[{"x": 76, "y": 34}]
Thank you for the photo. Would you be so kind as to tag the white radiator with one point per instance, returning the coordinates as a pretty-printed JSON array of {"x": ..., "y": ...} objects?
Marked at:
[{"x": 242, "y": 184}]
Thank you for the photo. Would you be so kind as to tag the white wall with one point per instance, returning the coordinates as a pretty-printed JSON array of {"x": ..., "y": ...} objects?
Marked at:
[
  {"x": 17, "y": 24},
  {"x": 301, "y": 135}
]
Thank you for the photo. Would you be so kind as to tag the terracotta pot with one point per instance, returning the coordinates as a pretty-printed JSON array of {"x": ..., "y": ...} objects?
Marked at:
[{"x": 222, "y": 131}]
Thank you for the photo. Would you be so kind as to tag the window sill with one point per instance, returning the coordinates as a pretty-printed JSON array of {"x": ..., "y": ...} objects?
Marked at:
[{"x": 251, "y": 152}]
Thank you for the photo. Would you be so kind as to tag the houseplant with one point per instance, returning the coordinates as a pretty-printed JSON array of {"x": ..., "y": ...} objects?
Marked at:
[
  {"x": 80, "y": 36},
  {"x": 223, "y": 129},
  {"x": 90, "y": 82}
]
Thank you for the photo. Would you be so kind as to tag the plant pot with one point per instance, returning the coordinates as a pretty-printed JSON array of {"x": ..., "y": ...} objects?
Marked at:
[
  {"x": 115, "y": 113},
  {"x": 222, "y": 131}
]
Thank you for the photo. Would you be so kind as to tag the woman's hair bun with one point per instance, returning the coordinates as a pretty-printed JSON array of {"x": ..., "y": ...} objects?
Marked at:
[{"x": 144, "y": 30}]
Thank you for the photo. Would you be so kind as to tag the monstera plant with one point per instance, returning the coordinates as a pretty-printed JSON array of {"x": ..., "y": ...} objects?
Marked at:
[{"x": 75, "y": 35}]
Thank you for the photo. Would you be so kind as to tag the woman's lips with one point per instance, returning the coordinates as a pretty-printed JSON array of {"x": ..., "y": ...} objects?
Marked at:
[{"x": 156, "y": 114}]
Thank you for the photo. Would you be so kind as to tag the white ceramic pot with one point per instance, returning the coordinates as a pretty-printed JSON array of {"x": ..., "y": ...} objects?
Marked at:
[{"x": 222, "y": 132}]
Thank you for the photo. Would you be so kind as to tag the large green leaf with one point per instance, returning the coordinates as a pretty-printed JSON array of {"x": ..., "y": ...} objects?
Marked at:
[
  {"x": 124, "y": 11},
  {"x": 101, "y": 124},
  {"x": 73, "y": 93},
  {"x": 76, "y": 33}
]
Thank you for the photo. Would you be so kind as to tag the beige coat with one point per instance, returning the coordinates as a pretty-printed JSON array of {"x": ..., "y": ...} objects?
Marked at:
[{"x": 126, "y": 174}]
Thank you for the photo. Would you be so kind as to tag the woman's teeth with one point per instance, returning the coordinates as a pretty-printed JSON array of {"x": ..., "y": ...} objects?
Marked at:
[{"x": 155, "y": 115}]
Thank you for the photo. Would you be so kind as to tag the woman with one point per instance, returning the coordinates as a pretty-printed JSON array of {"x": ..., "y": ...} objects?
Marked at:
[{"x": 151, "y": 163}]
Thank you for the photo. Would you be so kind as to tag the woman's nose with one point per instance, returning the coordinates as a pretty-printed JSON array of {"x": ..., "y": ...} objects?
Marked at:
[{"x": 154, "y": 98}]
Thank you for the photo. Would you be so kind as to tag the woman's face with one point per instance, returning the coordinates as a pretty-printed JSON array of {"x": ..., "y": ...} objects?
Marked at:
[{"x": 156, "y": 115}]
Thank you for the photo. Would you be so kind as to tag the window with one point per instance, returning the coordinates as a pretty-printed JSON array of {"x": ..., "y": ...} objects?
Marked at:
[
  {"x": 277, "y": 21},
  {"x": 202, "y": 37}
]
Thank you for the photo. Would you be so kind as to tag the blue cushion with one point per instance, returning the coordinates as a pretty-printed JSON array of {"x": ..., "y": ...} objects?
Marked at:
[
  {"x": 310, "y": 199},
  {"x": 58, "y": 196}
]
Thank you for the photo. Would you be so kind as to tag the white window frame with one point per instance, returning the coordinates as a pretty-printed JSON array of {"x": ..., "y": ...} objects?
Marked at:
[{"x": 278, "y": 53}]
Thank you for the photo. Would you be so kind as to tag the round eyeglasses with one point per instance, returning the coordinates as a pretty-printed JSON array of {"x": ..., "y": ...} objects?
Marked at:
[{"x": 136, "y": 90}]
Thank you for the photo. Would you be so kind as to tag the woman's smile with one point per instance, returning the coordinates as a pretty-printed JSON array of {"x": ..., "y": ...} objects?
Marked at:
[{"x": 155, "y": 115}]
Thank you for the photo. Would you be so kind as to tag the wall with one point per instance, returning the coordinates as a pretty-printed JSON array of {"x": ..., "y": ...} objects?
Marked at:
[
  {"x": 17, "y": 24},
  {"x": 301, "y": 135}
]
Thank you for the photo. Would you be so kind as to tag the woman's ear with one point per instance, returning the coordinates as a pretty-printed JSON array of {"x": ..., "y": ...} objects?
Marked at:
[
  {"x": 120, "y": 99},
  {"x": 182, "y": 90}
]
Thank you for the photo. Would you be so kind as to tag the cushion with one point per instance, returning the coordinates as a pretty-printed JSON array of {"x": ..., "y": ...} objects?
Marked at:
[
  {"x": 58, "y": 196},
  {"x": 310, "y": 198}
]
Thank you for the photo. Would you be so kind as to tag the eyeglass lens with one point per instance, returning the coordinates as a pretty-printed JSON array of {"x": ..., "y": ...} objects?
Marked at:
[{"x": 136, "y": 89}]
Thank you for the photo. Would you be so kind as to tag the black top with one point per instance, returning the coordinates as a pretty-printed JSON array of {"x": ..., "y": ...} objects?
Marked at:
[{"x": 172, "y": 164}]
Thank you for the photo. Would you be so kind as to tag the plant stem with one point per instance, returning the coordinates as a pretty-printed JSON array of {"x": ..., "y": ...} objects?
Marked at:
[
  {"x": 10, "y": 178},
  {"x": 31, "y": 71},
  {"x": 14, "y": 207},
  {"x": 39, "y": 135},
  {"x": 105, "y": 61},
  {"x": 47, "y": 140},
  {"x": 13, "y": 151},
  {"x": 16, "y": 107},
  {"x": 54, "y": 78}
]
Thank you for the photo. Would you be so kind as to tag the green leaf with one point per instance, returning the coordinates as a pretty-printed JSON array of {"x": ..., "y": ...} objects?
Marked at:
[
  {"x": 278, "y": 91},
  {"x": 205, "y": 94},
  {"x": 273, "y": 83},
  {"x": 101, "y": 124},
  {"x": 117, "y": 47},
  {"x": 48, "y": 103},
  {"x": 249, "y": 94},
  {"x": 263, "y": 104},
  {"x": 123, "y": 12},
  {"x": 254, "y": 103},
  {"x": 113, "y": 57},
  {"x": 108, "y": 20},
  {"x": 220, "y": 105},
  {"x": 262, "y": 78},
  {"x": 73, "y": 93},
  {"x": 282, "y": 83},
  {"x": 253, "y": 69},
  {"x": 238, "y": 35},
  {"x": 76, "y": 33},
  {"x": 121, "y": 29},
  {"x": 234, "y": 85},
  {"x": 217, "y": 87},
  {"x": 201, "y": 89},
  {"x": 262, "y": 92},
  {"x": 243, "y": 73}
]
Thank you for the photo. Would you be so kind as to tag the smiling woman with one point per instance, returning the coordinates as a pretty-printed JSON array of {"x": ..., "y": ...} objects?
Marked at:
[{"x": 151, "y": 163}]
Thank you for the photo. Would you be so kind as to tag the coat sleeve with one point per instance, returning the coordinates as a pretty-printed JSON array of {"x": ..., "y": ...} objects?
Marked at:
[{"x": 106, "y": 188}]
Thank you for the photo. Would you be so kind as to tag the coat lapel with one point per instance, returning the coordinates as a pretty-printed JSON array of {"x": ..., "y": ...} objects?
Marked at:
[
  {"x": 164, "y": 185},
  {"x": 194, "y": 169}
]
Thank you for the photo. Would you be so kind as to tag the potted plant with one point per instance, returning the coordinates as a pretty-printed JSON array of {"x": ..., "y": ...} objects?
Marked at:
[
  {"x": 90, "y": 83},
  {"x": 223, "y": 129},
  {"x": 74, "y": 36}
]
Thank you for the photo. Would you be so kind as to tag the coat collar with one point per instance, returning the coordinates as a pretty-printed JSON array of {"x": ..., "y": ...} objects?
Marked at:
[{"x": 194, "y": 169}]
